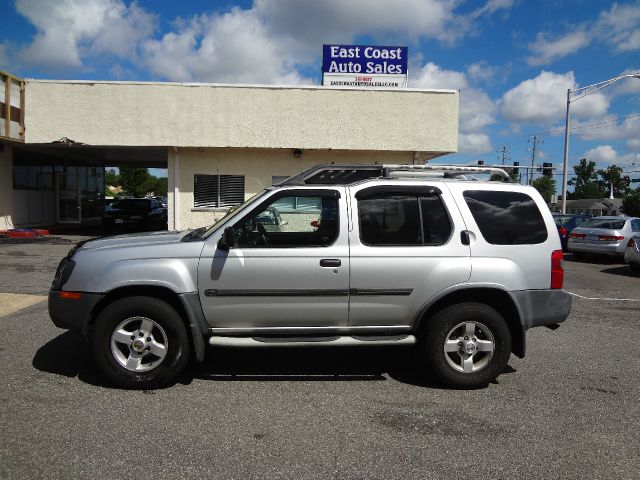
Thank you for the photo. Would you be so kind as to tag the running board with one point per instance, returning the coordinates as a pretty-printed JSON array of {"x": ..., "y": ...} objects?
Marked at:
[{"x": 312, "y": 341}]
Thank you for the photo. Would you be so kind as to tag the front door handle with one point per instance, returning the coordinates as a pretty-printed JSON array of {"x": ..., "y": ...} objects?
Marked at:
[{"x": 330, "y": 262}]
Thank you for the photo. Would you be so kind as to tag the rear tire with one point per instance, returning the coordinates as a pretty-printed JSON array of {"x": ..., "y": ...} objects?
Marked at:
[
  {"x": 466, "y": 345},
  {"x": 140, "y": 343},
  {"x": 578, "y": 255},
  {"x": 635, "y": 267}
]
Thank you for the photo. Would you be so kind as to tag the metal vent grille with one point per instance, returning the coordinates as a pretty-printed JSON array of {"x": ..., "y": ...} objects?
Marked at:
[{"x": 218, "y": 191}]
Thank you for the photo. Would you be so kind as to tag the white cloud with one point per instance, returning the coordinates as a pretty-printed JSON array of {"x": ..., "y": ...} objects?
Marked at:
[
  {"x": 474, "y": 143},
  {"x": 607, "y": 155},
  {"x": 481, "y": 71},
  {"x": 543, "y": 99},
  {"x": 233, "y": 47},
  {"x": 628, "y": 85},
  {"x": 620, "y": 26},
  {"x": 633, "y": 144},
  {"x": 477, "y": 110},
  {"x": 545, "y": 51},
  {"x": 69, "y": 30}
]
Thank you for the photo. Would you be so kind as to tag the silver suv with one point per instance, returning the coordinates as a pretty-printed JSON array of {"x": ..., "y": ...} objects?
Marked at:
[{"x": 360, "y": 255}]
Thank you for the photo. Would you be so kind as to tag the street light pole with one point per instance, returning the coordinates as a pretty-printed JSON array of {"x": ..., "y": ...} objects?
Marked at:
[{"x": 588, "y": 90}]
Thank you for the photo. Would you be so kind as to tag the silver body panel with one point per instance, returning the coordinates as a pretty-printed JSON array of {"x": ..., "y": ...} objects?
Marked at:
[
  {"x": 158, "y": 259},
  {"x": 424, "y": 270},
  {"x": 276, "y": 287}
]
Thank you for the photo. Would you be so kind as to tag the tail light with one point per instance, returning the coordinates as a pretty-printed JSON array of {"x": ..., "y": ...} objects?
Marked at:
[
  {"x": 557, "y": 274},
  {"x": 609, "y": 238},
  {"x": 562, "y": 231},
  {"x": 577, "y": 235}
]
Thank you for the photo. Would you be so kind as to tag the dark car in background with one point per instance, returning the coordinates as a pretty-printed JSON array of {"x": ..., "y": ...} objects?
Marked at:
[
  {"x": 566, "y": 223},
  {"x": 140, "y": 213}
]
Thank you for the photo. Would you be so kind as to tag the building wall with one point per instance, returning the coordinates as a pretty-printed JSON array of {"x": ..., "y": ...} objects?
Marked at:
[
  {"x": 6, "y": 188},
  {"x": 257, "y": 165},
  {"x": 197, "y": 115}
]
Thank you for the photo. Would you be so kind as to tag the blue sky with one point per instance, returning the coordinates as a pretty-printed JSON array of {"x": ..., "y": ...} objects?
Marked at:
[{"x": 512, "y": 60}]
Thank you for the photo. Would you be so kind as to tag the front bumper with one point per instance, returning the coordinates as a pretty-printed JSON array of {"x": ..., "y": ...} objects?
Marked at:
[
  {"x": 539, "y": 308},
  {"x": 72, "y": 314}
]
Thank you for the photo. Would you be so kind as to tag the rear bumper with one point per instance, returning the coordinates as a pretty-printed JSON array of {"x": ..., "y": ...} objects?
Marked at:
[
  {"x": 539, "y": 308},
  {"x": 605, "y": 249},
  {"x": 72, "y": 314}
]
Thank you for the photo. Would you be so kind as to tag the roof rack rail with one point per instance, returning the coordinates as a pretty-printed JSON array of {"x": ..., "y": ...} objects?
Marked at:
[{"x": 345, "y": 174}]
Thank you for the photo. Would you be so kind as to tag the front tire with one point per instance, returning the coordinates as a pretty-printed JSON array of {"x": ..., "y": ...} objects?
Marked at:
[
  {"x": 466, "y": 345},
  {"x": 140, "y": 343}
]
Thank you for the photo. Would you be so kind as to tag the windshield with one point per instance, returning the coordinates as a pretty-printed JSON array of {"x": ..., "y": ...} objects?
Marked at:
[
  {"x": 609, "y": 223},
  {"x": 561, "y": 220},
  {"x": 232, "y": 213}
]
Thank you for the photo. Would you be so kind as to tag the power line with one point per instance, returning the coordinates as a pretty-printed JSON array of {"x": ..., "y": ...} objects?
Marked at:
[{"x": 586, "y": 126}]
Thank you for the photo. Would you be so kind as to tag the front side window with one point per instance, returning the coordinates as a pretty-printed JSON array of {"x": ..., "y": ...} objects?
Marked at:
[
  {"x": 506, "y": 218},
  {"x": 394, "y": 219},
  {"x": 218, "y": 191},
  {"x": 290, "y": 221}
]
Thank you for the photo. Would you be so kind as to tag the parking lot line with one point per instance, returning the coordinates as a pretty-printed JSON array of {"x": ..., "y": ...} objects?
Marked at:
[
  {"x": 12, "y": 302},
  {"x": 605, "y": 298}
]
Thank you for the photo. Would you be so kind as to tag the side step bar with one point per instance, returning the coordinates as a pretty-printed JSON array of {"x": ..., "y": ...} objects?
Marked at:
[{"x": 311, "y": 341}]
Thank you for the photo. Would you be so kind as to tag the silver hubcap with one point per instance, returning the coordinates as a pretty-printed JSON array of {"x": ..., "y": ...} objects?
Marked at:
[
  {"x": 139, "y": 344},
  {"x": 469, "y": 347}
]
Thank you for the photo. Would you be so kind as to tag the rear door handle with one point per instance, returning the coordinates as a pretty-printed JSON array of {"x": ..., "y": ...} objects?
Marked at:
[{"x": 330, "y": 262}]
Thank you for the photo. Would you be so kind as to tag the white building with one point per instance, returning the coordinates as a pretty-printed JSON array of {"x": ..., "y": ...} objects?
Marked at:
[{"x": 220, "y": 143}]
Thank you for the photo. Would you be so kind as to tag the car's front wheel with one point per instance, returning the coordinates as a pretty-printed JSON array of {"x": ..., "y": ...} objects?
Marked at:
[
  {"x": 140, "y": 342},
  {"x": 466, "y": 345}
]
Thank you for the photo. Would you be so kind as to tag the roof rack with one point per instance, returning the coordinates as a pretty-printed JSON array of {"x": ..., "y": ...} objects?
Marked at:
[{"x": 331, "y": 174}]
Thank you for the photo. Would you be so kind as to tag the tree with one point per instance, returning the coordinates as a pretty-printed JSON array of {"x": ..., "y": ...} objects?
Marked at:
[
  {"x": 612, "y": 175},
  {"x": 134, "y": 181},
  {"x": 546, "y": 186},
  {"x": 111, "y": 178},
  {"x": 631, "y": 204},
  {"x": 158, "y": 186},
  {"x": 586, "y": 181}
]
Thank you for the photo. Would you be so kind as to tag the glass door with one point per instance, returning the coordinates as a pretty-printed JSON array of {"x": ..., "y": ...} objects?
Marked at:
[{"x": 68, "y": 196}]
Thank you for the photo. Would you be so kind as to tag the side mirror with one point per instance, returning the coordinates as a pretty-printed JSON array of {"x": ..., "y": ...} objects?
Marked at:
[{"x": 227, "y": 241}]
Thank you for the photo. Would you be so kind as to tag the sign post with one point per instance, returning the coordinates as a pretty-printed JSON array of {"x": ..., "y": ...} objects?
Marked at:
[{"x": 364, "y": 66}]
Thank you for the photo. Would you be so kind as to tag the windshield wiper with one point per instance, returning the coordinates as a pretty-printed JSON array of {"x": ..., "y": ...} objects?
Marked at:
[{"x": 194, "y": 234}]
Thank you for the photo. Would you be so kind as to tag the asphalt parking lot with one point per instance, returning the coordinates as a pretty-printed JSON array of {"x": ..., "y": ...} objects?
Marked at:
[{"x": 570, "y": 409}]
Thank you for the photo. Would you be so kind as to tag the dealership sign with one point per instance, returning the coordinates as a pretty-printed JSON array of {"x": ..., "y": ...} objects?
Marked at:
[{"x": 364, "y": 66}]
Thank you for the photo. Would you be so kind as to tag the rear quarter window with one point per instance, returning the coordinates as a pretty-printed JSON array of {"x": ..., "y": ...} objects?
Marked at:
[{"x": 506, "y": 218}]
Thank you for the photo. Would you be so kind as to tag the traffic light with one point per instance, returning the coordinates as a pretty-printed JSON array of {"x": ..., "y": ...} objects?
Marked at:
[
  {"x": 547, "y": 169},
  {"x": 627, "y": 181},
  {"x": 516, "y": 169}
]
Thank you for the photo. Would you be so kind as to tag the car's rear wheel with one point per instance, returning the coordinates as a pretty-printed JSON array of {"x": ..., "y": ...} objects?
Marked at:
[
  {"x": 140, "y": 342},
  {"x": 466, "y": 345},
  {"x": 635, "y": 267}
]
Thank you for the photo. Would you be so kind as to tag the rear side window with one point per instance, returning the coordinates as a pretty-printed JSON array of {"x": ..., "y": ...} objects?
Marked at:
[
  {"x": 608, "y": 223},
  {"x": 391, "y": 219},
  {"x": 506, "y": 218}
]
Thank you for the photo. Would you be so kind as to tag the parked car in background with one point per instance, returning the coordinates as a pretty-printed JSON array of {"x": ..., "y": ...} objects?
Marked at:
[
  {"x": 566, "y": 223},
  {"x": 146, "y": 213},
  {"x": 632, "y": 253},
  {"x": 603, "y": 235},
  {"x": 162, "y": 201}
]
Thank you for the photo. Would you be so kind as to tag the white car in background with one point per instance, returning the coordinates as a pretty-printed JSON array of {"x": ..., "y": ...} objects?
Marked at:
[{"x": 603, "y": 235}]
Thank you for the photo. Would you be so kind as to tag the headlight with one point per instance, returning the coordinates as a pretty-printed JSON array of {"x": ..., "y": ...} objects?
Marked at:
[{"x": 63, "y": 273}]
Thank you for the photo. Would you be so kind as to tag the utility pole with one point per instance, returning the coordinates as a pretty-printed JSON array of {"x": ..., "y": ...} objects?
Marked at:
[
  {"x": 504, "y": 154},
  {"x": 534, "y": 141}
]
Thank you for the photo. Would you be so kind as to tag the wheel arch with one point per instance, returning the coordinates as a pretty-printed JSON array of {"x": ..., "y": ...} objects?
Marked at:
[
  {"x": 496, "y": 298},
  {"x": 183, "y": 304}
]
